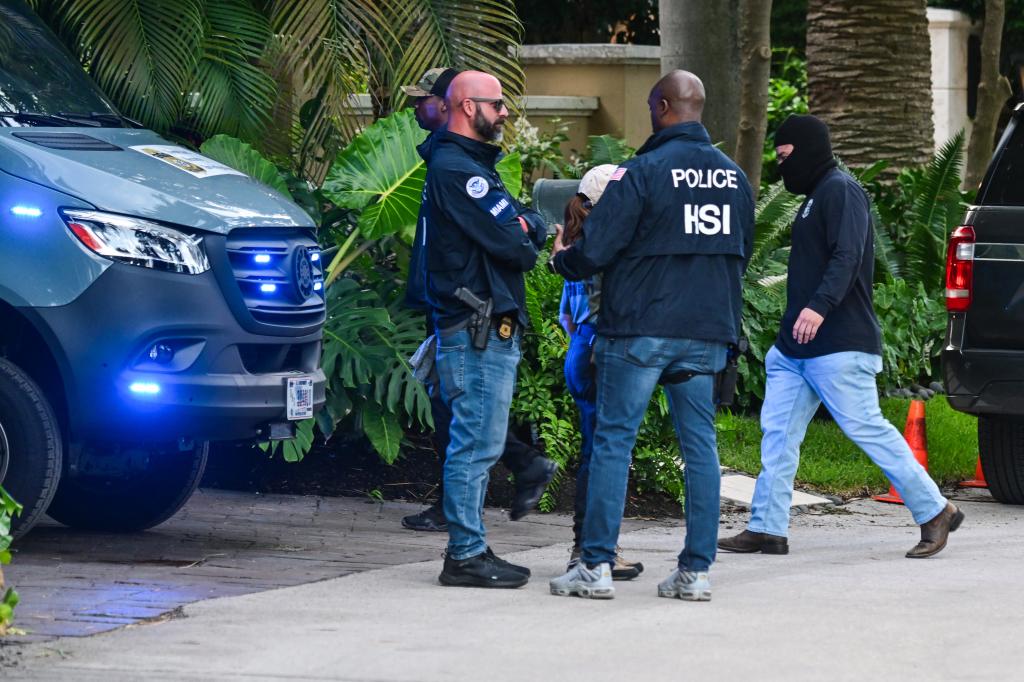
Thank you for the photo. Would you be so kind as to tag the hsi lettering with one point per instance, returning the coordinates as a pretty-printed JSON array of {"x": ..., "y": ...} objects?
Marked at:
[{"x": 707, "y": 219}]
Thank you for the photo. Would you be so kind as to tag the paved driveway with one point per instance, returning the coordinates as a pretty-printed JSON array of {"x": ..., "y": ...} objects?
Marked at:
[{"x": 845, "y": 605}]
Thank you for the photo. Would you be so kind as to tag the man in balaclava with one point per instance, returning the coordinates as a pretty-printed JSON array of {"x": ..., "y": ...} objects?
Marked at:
[{"x": 829, "y": 349}]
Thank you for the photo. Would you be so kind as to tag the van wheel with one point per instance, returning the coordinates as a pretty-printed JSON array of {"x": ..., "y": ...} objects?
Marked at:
[
  {"x": 145, "y": 487},
  {"x": 30, "y": 446},
  {"x": 1001, "y": 443}
]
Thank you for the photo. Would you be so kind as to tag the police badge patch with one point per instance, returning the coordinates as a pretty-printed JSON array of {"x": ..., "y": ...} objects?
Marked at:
[
  {"x": 476, "y": 187},
  {"x": 807, "y": 208}
]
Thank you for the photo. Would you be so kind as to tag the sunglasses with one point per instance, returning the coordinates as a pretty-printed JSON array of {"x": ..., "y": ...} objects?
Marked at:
[{"x": 497, "y": 102}]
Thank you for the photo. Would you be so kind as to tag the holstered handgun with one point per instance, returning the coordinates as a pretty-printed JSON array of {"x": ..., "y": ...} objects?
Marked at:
[
  {"x": 725, "y": 380},
  {"x": 479, "y": 326}
]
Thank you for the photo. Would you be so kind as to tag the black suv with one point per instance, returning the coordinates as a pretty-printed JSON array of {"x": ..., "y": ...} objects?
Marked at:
[{"x": 983, "y": 359}]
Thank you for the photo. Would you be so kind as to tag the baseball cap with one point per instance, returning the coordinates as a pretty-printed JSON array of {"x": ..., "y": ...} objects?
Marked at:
[
  {"x": 434, "y": 82},
  {"x": 596, "y": 179}
]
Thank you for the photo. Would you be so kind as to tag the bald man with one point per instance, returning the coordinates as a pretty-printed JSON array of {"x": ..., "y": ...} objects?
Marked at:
[
  {"x": 672, "y": 236},
  {"x": 479, "y": 242}
]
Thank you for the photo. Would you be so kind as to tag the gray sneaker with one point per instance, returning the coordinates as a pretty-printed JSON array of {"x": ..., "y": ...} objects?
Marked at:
[
  {"x": 590, "y": 583},
  {"x": 686, "y": 585}
]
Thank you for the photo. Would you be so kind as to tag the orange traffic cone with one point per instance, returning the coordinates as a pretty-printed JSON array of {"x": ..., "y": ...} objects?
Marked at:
[
  {"x": 979, "y": 478},
  {"x": 917, "y": 439}
]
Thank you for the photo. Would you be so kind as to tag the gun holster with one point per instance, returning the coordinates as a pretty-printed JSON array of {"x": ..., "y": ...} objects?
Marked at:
[{"x": 725, "y": 381}]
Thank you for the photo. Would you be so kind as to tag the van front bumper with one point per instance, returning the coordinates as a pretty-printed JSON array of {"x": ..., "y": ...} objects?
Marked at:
[{"x": 220, "y": 383}]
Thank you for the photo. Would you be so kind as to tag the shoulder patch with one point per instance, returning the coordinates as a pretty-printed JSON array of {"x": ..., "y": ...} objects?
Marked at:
[
  {"x": 477, "y": 186},
  {"x": 807, "y": 208},
  {"x": 618, "y": 173}
]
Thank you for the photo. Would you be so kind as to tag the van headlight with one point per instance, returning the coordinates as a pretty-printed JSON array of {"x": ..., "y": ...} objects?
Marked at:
[{"x": 137, "y": 241}]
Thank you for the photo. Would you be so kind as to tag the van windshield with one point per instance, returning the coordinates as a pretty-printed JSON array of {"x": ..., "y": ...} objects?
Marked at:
[{"x": 40, "y": 78}]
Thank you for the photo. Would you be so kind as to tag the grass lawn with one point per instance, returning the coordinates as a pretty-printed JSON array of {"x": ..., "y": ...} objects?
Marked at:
[{"x": 831, "y": 463}]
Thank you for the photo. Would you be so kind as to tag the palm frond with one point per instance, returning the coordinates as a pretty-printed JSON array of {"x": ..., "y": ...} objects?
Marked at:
[
  {"x": 324, "y": 49},
  {"x": 482, "y": 35},
  {"x": 142, "y": 54},
  {"x": 234, "y": 95},
  {"x": 935, "y": 208}
]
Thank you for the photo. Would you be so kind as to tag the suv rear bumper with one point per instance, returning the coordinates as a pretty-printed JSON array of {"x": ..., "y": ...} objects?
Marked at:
[
  {"x": 223, "y": 382},
  {"x": 984, "y": 381}
]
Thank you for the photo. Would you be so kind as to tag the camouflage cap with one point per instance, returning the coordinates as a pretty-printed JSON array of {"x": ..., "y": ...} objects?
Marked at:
[{"x": 434, "y": 82}]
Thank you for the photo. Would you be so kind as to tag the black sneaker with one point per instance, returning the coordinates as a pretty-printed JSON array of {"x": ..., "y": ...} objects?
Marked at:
[
  {"x": 530, "y": 485},
  {"x": 482, "y": 570},
  {"x": 515, "y": 567},
  {"x": 430, "y": 519}
]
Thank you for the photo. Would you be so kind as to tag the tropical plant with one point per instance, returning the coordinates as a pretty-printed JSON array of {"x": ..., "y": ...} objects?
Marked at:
[
  {"x": 8, "y": 597},
  {"x": 199, "y": 67}
]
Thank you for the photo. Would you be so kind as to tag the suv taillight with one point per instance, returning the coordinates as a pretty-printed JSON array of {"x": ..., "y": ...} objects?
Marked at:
[{"x": 960, "y": 269}]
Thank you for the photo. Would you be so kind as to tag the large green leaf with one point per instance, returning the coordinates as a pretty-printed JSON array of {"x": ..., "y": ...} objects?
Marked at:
[
  {"x": 608, "y": 149},
  {"x": 383, "y": 430},
  {"x": 381, "y": 173},
  {"x": 510, "y": 168},
  {"x": 241, "y": 156}
]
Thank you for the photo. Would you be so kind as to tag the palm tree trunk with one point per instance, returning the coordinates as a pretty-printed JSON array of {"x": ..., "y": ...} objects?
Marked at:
[
  {"x": 992, "y": 93},
  {"x": 755, "y": 70},
  {"x": 869, "y": 78},
  {"x": 702, "y": 37}
]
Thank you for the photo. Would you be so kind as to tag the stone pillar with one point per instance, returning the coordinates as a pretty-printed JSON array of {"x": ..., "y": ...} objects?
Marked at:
[{"x": 949, "y": 31}]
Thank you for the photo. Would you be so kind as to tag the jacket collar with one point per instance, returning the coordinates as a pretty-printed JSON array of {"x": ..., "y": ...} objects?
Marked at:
[
  {"x": 691, "y": 131},
  {"x": 483, "y": 152}
]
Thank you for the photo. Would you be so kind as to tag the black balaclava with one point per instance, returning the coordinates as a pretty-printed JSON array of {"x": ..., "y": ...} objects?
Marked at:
[{"x": 812, "y": 152}]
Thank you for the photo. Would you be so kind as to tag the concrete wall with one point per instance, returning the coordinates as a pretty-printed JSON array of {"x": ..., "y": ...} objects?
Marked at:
[{"x": 620, "y": 76}]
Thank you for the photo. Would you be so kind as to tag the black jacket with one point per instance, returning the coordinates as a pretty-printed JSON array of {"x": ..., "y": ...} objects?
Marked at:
[
  {"x": 672, "y": 234},
  {"x": 831, "y": 267},
  {"x": 473, "y": 235},
  {"x": 415, "y": 286}
]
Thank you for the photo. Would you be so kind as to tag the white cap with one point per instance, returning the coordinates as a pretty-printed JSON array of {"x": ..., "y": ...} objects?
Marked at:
[{"x": 596, "y": 179}]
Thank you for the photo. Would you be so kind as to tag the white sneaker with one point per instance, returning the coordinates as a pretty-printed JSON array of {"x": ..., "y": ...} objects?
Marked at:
[
  {"x": 591, "y": 583},
  {"x": 686, "y": 585}
]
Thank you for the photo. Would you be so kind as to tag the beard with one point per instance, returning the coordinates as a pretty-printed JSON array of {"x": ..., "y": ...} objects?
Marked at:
[{"x": 490, "y": 131}]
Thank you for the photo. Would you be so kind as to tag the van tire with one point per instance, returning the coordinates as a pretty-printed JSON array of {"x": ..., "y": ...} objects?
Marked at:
[
  {"x": 135, "y": 500},
  {"x": 1001, "y": 445},
  {"x": 33, "y": 445}
]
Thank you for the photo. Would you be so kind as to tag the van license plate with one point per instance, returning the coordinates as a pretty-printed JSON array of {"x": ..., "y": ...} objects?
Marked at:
[{"x": 300, "y": 398}]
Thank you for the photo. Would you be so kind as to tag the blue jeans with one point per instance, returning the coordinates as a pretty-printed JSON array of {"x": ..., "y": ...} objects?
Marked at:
[
  {"x": 628, "y": 370},
  {"x": 845, "y": 382},
  {"x": 579, "y": 379},
  {"x": 477, "y": 386}
]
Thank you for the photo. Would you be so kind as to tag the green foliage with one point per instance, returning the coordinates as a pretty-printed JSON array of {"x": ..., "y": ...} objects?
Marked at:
[
  {"x": 201, "y": 67},
  {"x": 539, "y": 151},
  {"x": 936, "y": 207},
  {"x": 602, "y": 149},
  {"x": 8, "y": 509},
  {"x": 831, "y": 463},
  {"x": 913, "y": 321},
  {"x": 242, "y": 157},
  {"x": 381, "y": 174}
]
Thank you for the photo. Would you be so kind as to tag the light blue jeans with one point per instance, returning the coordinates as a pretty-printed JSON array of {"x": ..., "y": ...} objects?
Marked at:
[
  {"x": 477, "y": 386},
  {"x": 845, "y": 382},
  {"x": 628, "y": 370}
]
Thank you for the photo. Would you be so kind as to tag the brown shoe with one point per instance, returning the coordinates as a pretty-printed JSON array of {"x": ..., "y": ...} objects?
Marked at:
[
  {"x": 625, "y": 570},
  {"x": 749, "y": 542},
  {"x": 935, "y": 533}
]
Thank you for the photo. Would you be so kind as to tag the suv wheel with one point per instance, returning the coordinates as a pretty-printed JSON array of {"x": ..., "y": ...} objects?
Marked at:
[
  {"x": 135, "y": 496},
  {"x": 1001, "y": 442},
  {"x": 30, "y": 446}
]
